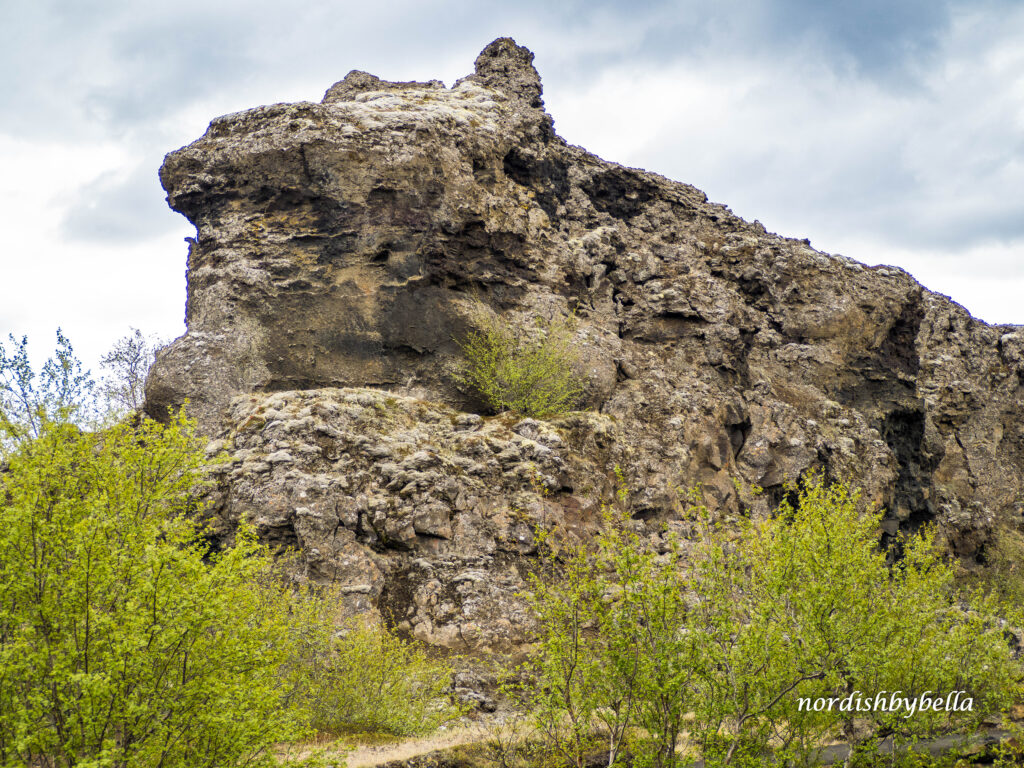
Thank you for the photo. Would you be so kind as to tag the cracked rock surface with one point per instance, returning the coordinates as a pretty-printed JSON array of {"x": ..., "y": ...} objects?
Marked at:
[
  {"x": 423, "y": 514},
  {"x": 340, "y": 246}
]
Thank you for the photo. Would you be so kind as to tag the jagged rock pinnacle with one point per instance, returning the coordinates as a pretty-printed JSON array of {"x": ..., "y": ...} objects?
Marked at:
[
  {"x": 508, "y": 67},
  {"x": 503, "y": 65}
]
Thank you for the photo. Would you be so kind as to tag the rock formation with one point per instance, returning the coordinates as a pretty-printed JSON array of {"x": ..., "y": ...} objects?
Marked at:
[{"x": 340, "y": 247}]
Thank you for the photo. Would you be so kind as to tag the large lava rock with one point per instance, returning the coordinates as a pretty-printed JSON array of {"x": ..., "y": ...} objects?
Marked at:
[{"x": 340, "y": 246}]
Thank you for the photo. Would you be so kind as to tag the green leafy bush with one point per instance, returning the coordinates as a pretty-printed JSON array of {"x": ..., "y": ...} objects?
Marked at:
[
  {"x": 530, "y": 371},
  {"x": 615, "y": 653},
  {"x": 127, "y": 640},
  {"x": 123, "y": 640},
  {"x": 368, "y": 679},
  {"x": 711, "y": 645}
]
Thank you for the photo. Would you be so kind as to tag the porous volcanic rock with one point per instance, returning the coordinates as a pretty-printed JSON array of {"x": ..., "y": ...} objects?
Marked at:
[
  {"x": 419, "y": 512},
  {"x": 340, "y": 248}
]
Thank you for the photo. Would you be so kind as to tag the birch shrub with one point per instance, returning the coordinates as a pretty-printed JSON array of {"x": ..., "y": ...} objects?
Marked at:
[
  {"x": 127, "y": 640},
  {"x": 368, "y": 679},
  {"x": 708, "y": 650},
  {"x": 528, "y": 370},
  {"x": 124, "y": 641}
]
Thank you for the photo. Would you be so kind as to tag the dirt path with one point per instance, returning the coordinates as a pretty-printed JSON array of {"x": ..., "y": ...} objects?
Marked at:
[
  {"x": 370, "y": 755},
  {"x": 377, "y": 754}
]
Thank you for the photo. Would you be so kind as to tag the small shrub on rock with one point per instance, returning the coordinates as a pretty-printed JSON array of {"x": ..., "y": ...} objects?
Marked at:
[{"x": 528, "y": 370}]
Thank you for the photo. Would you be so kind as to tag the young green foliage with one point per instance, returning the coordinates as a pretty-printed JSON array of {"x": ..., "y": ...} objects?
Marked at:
[
  {"x": 569, "y": 680},
  {"x": 368, "y": 679},
  {"x": 530, "y": 371},
  {"x": 614, "y": 655},
  {"x": 723, "y": 636},
  {"x": 816, "y": 572},
  {"x": 124, "y": 641}
]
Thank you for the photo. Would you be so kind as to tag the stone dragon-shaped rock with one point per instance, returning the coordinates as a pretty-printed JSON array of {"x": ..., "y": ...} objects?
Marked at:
[{"x": 340, "y": 248}]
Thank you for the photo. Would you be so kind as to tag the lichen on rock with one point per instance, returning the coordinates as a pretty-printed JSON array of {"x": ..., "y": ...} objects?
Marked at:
[{"x": 340, "y": 246}]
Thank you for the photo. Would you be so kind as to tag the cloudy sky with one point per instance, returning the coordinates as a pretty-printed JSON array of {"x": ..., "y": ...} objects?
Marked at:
[{"x": 891, "y": 131}]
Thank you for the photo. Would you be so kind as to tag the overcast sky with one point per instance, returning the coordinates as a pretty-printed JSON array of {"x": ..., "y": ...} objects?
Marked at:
[{"x": 891, "y": 131}]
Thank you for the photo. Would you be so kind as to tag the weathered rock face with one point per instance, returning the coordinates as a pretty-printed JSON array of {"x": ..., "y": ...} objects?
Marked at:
[
  {"x": 419, "y": 511},
  {"x": 340, "y": 246}
]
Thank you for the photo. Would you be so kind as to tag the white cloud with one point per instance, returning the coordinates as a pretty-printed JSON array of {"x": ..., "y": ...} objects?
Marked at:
[
  {"x": 93, "y": 290},
  {"x": 888, "y": 130},
  {"x": 924, "y": 175}
]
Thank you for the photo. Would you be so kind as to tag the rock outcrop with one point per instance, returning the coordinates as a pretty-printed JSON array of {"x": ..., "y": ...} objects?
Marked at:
[{"x": 340, "y": 248}]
